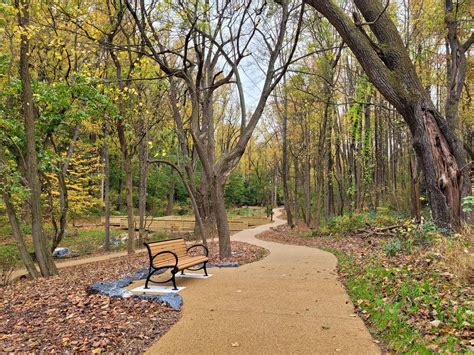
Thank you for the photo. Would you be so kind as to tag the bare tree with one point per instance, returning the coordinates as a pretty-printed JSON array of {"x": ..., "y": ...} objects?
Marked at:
[{"x": 208, "y": 54}]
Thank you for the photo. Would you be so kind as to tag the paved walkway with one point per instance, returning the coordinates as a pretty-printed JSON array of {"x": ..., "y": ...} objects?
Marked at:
[{"x": 288, "y": 303}]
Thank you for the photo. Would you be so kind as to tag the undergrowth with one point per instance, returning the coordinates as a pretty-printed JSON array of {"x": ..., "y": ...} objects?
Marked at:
[
  {"x": 413, "y": 309},
  {"x": 350, "y": 222}
]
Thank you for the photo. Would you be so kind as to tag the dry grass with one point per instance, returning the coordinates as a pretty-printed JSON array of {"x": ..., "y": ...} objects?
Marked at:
[{"x": 458, "y": 254}]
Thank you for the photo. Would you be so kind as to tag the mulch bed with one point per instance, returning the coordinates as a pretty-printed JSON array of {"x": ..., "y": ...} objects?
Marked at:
[{"x": 57, "y": 314}]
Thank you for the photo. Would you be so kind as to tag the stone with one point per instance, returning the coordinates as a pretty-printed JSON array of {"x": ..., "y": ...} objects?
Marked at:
[
  {"x": 173, "y": 300},
  {"x": 117, "y": 288},
  {"x": 62, "y": 252},
  {"x": 225, "y": 264},
  {"x": 436, "y": 323}
]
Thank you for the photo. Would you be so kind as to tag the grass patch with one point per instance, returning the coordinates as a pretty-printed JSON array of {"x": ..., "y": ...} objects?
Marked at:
[
  {"x": 86, "y": 241},
  {"x": 396, "y": 301}
]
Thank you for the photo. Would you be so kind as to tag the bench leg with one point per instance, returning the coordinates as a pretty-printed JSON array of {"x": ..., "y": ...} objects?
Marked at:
[
  {"x": 174, "y": 272},
  {"x": 182, "y": 272},
  {"x": 147, "y": 280},
  {"x": 174, "y": 283},
  {"x": 205, "y": 269}
]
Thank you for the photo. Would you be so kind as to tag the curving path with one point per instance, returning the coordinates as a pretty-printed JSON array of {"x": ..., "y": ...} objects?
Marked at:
[{"x": 290, "y": 302}]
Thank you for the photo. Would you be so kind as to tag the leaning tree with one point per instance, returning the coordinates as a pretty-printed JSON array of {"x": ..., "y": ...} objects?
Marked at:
[{"x": 377, "y": 45}]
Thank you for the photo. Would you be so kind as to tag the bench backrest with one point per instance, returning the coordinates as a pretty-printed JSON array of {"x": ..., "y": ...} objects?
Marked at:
[{"x": 177, "y": 246}]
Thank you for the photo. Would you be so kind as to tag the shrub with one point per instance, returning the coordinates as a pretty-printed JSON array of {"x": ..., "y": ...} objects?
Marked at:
[
  {"x": 393, "y": 247},
  {"x": 9, "y": 259}
]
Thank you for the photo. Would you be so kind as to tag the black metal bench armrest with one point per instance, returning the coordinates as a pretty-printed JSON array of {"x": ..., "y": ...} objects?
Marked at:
[{"x": 199, "y": 245}]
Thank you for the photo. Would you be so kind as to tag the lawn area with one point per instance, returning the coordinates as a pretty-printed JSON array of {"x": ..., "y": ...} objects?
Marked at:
[{"x": 412, "y": 286}]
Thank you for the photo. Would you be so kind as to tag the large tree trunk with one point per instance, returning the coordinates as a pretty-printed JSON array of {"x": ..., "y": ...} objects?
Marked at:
[
  {"x": 387, "y": 63},
  {"x": 223, "y": 231},
  {"x": 45, "y": 260},
  {"x": 444, "y": 180}
]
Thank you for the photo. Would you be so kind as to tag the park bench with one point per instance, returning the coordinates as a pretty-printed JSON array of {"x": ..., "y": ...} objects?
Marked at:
[{"x": 173, "y": 254}]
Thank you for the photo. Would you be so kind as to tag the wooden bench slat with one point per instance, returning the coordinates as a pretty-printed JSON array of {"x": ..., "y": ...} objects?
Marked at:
[{"x": 191, "y": 261}]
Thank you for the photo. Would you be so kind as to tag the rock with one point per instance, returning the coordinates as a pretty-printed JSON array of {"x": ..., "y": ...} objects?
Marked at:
[
  {"x": 124, "y": 281},
  {"x": 225, "y": 264},
  {"x": 173, "y": 300},
  {"x": 115, "y": 242},
  {"x": 62, "y": 252},
  {"x": 117, "y": 288},
  {"x": 112, "y": 288},
  {"x": 140, "y": 274},
  {"x": 436, "y": 323}
]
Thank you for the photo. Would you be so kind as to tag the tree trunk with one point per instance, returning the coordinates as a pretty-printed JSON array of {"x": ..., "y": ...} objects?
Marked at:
[
  {"x": 274, "y": 201},
  {"x": 18, "y": 235},
  {"x": 106, "y": 190},
  {"x": 169, "y": 205},
  {"x": 119, "y": 202},
  {"x": 307, "y": 191},
  {"x": 415, "y": 190},
  {"x": 296, "y": 191},
  {"x": 456, "y": 64},
  {"x": 284, "y": 164},
  {"x": 307, "y": 176},
  {"x": 444, "y": 180},
  {"x": 44, "y": 258},
  {"x": 15, "y": 225},
  {"x": 142, "y": 193},
  {"x": 127, "y": 167},
  {"x": 63, "y": 208},
  {"x": 330, "y": 168},
  {"x": 217, "y": 193}
]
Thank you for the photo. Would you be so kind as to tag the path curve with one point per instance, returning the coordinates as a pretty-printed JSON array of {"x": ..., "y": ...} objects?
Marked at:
[{"x": 289, "y": 302}]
